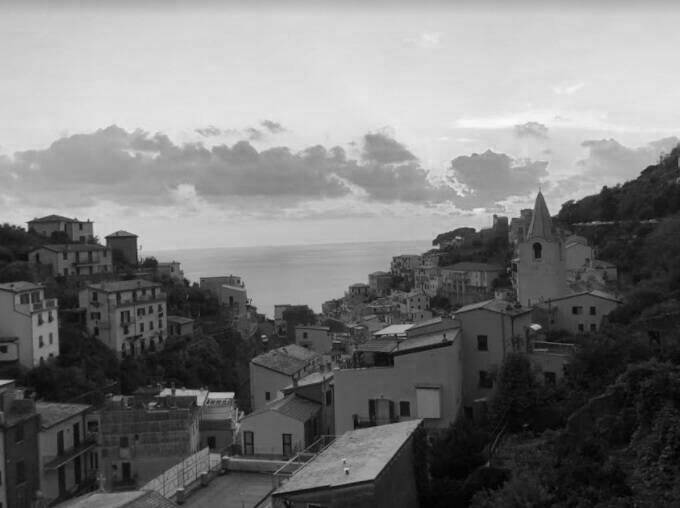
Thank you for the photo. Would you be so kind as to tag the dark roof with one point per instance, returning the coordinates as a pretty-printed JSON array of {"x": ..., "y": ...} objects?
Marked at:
[
  {"x": 292, "y": 406},
  {"x": 594, "y": 292},
  {"x": 366, "y": 452},
  {"x": 124, "y": 285},
  {"x": 17, "y": 287},
  {"x": 72, "y": 247},
  {"x": 52, "y": 218},
  {"x": 378, "y": 346},
  {"x": 122, "y": 234},
  {"x": 472, "y": 266},
  {"x": 541, "y": 223},
  {"x": 180, "y": 319},
  {"x": 286, "y": 360},
  {"x": 52, "y": 413},
  {"x": 499, "y": 306}
]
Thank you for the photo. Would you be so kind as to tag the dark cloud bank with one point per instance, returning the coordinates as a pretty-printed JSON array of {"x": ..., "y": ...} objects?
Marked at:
[{"x": 142, "y": 169}]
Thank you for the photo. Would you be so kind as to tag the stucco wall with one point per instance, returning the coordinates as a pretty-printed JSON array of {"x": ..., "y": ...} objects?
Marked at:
[
  {"x": 265, "y": 380},
  {"x": 268, "y": 428}
]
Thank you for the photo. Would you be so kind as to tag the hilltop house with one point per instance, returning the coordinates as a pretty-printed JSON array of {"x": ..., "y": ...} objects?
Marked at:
[
  {"x": 468, "y": 282},
  {"x": 74, "y": 229},
  {"x": 125, "y": 243}
]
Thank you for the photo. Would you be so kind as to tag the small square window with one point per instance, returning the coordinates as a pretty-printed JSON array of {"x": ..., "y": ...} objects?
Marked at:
[
  {"x": 482, "y": 343},
  {"x": 485, "y": 380},
  {"x": 550, "y": 378},
  {"x": 581, "y": 328},
  {"x": 267, "y": 396},
  {"x": 593, "y": 311},
  {"x": 593, "y": 327}
]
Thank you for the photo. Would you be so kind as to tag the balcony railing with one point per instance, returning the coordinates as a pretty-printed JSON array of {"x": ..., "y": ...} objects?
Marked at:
[
  {"x": 48, "y": 304},
  {"x": 55, "y": 461}
]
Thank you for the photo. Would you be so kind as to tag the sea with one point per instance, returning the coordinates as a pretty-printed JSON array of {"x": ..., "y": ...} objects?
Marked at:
[{"x": 293, "y": 274}]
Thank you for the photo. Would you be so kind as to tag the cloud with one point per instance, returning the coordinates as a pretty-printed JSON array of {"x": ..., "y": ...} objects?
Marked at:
[
  {"x": 254, "y": 134},
  {"x": 426, "y": 40},
  {"x": 136, "y": 168},
  {"x": 531, "y": 130},
  {"x": 273, "y": 127},
  {"x": 568, "y": 89},
  {"x": 611, "y": 162},
  {"x": 489, "y": 178},
  {"x": 209, "y": 131},
  {"x": 379, "y": 147}
]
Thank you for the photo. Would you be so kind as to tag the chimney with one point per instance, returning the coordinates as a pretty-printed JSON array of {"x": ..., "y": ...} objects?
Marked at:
[{"x": 295, "y": 380}]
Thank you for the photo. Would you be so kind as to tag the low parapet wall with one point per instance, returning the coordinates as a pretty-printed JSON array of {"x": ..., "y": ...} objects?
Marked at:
[{"x": 254, "y": 465}]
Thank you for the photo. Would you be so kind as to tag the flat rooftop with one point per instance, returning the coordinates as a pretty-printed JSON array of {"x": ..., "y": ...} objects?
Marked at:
[
  {"x": 233, "y": 490},
  {"x": 16, "y": 287},
  {"x": 287, "y": 360},
  {"x": 52, "y": 413},
  {"x": 366, "y": 452},
  {"x": 201, "y": 395}
]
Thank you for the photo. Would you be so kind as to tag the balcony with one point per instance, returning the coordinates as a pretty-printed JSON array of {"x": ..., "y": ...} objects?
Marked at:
[
  {"x": 56, "y": 461},
  {"x": 160, "y": 297},
  {"x": 43, "y": 305}
]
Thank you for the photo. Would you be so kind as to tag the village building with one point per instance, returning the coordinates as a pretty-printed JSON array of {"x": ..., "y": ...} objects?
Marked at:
[
  {"x": 272, "y": 371},
  {"x": 280, "y": 428},
  {"x": 468, "y": 282},
  {"x": 577, "y": 313},
  {"x": 403, "y": 266},
  {"x": 519, "y": 227},
  {"x": 380, "y": 283},
  {"x": 138, "y": 440},
  {"x": 318, "y": 387},
  {"x": 74, "y": 259},
  {"x": 180, "y": 326},
  {"x": 415, "y": 372},
  {"x": 128, "y": 316},
  {"x": 29, "y": 324},
  {"x": 490, "y": 330},
  {"x": 125, "y": 243},
  {"x": 315, "y": 338},
  {"x": 427, "y": 280},
  {"x": 214, "y": 284},
  {"x": 366, "y": 468},
  {"x": 218, "y": 421},
  {"x": 74, "y": 229},
  {"x": 19, "y": 452},
  {"x": 171, "y": 269},
  {"x": 359, "y": 291},
  {"x": 68, "y": 455}
]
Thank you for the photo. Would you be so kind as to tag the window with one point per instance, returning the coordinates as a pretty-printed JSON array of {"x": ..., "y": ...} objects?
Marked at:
[
  {"x": 248, "y": 442},
  {"x": 51, "y": 338},
  {"x": 3, "y": 349},
  {"x": 50, "y": 317},
  {"x": 124, "y": 442},
  {"x": 21, "y": 471},
  {"x": 141, "y": 311},
  {"x": 482, "y": 343},
  {"x": 267, "y": 396},
  {"x": 150, "y": 309},
  {"x": 304, "y": 335},
  {"x": 141, "y": 327},
  {"x": 126, "y": 329},
  {"x": 485, "y": 380},
  {"x": 19, "y": 434},
  {"x": 160, "y": 323},
  {"x": 64, "y": 256},
  {"x": 329, "y": 397},
  {"x": 593, "y": 327},
  {"x": 538, "y": 250},
  {"x": 23, "y": 299},
  {"x": 581, "y": 328},
  {"x": 287, "y": 444},
  {"x": 40, "y": 341},
  {"x": 550, "y": 378},
  {"x": 593, "y": 311},
  {"x": 150, "y": 325},
  {"x": 428, "y": 402},
  {"x": 577, "y": 310},
  {"x": 405, "y": 408}
]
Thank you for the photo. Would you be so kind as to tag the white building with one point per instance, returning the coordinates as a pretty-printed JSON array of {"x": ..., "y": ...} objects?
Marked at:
[
  {"x": 128, "y": 316},
  {"x": 172, "y": 269},
  {"x": 30, "y": 319},
  {"x": 74, "y": 259},
  {"x": 579, "y": 312},
  {"x": 315, "y": 338}
]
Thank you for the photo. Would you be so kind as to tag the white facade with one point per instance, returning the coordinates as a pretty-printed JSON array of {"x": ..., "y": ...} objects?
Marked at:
[
  {"x": 77, "y": 231},
  {"x": 130, "y": 317},
  {"x": 581, "y": 312},
  {"x": 578, "y": 255},
  {"x": 172, "y": 269},
  {"x": 315, "y": 338},
  {"x": 32, "y": 319}
]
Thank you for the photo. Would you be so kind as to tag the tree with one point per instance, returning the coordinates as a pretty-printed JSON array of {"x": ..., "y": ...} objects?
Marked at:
[{"x": 150, "y": 262}]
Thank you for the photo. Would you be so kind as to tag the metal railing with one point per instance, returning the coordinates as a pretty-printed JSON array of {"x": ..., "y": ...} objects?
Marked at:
[{"x": 300, "y": 459}]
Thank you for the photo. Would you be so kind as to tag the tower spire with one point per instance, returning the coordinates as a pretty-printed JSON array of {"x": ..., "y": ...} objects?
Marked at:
[{"x": 541, "y": 223}]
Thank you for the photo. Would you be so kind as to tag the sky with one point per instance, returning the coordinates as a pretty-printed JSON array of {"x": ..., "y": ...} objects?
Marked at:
[{"x": 206, "y": 124}]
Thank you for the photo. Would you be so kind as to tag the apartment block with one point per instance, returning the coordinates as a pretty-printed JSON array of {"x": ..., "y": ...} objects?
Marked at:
[
  {"x": 468, "y": 282},
  {"x": 172, "y": 269},
  {"x": 380, "y": 283},
  {"x": 75, "y": 230},
  {"x": 138, "y": 440},
  {"x": 130, "y": 316},
  {"x": 20, "y": 467},
  {"x": 74, "y": 259},
  {"x": 29, "y": 324},
  {"x": 315, "y": 338},
  {"x": 68, "y": 455}
]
